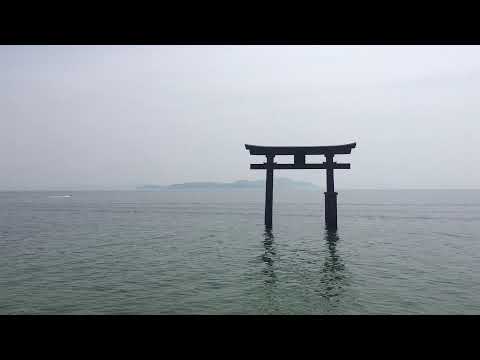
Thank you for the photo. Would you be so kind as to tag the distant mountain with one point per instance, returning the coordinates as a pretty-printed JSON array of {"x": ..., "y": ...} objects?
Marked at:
[{"x": 279, "y": 182}]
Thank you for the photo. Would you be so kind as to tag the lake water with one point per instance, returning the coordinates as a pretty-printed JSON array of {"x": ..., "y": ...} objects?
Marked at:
[{"x": 191, "y": 252}]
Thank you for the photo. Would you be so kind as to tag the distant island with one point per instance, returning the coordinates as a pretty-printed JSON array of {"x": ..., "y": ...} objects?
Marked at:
[{"x": 280, "y": 182}]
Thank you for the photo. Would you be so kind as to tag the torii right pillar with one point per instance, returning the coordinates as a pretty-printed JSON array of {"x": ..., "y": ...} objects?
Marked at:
[{"x": 330, "y": 196}]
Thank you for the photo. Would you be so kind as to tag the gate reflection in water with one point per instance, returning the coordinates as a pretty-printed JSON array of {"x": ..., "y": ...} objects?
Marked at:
[{"x": 328, "y": 280}]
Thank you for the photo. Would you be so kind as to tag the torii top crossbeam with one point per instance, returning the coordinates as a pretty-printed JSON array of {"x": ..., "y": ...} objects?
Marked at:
[
  {"x": 299, "y": 153},
  {"x": 305, "y": 150}
]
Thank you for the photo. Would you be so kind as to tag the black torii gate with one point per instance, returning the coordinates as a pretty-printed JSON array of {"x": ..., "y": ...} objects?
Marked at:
[{"x": 299, "y": 153}]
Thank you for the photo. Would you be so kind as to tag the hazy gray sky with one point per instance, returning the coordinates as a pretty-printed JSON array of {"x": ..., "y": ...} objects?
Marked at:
[{"x": 120, "y": 116}]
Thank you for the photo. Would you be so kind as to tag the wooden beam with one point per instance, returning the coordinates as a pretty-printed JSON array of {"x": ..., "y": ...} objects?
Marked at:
[
  {"x": 302, "y": 166},
  {"x": 300, "y": 150}
]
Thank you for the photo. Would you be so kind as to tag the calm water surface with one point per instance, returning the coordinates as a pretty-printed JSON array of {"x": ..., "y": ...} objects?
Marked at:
[{"x": 395, "y": 252}]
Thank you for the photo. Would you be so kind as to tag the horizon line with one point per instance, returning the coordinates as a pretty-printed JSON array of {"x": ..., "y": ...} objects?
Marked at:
[{"x": 320, "y": 188}]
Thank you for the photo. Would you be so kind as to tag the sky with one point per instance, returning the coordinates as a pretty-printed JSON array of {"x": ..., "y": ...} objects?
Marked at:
[{"x": 116, "y": 117}]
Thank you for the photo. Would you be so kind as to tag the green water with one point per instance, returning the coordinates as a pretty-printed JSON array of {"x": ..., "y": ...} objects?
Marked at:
[{"x": 187, "y": 252}]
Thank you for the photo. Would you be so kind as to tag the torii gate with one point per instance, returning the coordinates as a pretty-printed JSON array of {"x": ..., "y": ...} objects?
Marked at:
[{"x": 299, "y": 153}]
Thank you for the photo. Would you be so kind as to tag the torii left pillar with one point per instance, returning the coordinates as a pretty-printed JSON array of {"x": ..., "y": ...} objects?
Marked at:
[
  {"x": 269, "y": 191},
  {"x": 330, "y": 195}
]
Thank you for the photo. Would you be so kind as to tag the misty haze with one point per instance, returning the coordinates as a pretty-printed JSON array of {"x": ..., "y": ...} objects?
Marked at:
[
  {"x": 127, "y": 187},
  {"x": 114, "y": 117}
]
